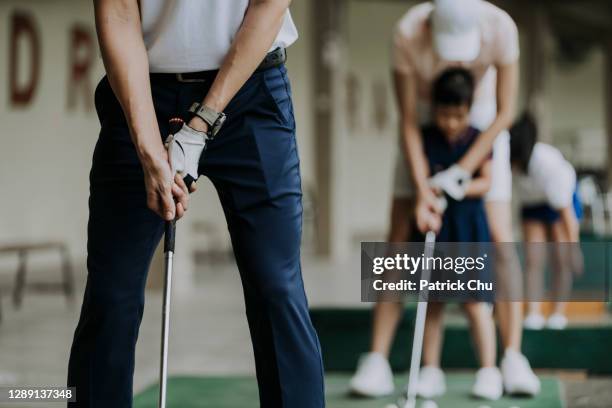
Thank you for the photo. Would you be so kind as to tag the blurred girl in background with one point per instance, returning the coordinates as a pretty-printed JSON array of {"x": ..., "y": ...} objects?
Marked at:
[{"x": 550, "y": 212}]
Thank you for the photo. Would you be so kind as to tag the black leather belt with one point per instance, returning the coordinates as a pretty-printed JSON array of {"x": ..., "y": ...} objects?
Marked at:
[{"x": 272, "y": 59}]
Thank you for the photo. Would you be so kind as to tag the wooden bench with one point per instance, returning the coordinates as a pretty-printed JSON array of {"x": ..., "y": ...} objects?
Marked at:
[{"x": 22, "y": 250}]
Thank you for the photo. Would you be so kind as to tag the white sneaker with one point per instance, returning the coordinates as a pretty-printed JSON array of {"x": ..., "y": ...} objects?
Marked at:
[
  {"x": 534, "y": 321},
  {"x": 518, "y": 377},
  {"x": 373, "y": 377},
  {"x": 488, "y": 384},
  {"x": 432, "y": 383},
  {"x": 556, "y": 321}
]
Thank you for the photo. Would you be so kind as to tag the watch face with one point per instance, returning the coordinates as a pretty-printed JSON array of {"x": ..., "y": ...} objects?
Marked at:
[{"x": 218, "y": 123}]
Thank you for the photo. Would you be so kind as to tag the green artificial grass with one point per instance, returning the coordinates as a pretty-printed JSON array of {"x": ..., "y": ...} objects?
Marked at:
[
  {"x": 577, "y": 347},
  {"x": 241, "y": 392}
]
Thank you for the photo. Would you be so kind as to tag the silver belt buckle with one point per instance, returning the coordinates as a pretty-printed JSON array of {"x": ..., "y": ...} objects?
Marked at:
[{"x": 180, "y": 78}]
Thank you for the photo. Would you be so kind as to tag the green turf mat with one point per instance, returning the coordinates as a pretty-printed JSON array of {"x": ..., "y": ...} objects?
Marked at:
[
  {"x": 577, "y": 347},
  {"x": 241, "y": 392}
]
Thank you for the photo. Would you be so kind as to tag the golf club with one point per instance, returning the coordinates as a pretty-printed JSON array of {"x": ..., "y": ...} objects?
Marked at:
[
  {"x": 409, "y": 399},
  {"x": 169, "y": 241}
]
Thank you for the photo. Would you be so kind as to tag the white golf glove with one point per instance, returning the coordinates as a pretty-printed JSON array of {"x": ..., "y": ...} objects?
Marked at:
[
  {"x": 184, "y": 151},
  {"x": 453, "y": 181}
]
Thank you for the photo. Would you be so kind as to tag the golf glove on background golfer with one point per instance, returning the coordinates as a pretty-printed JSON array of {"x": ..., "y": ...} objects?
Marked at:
[
  {"x": 184, "y": 150},
  {"x": 453, "y": 181}
]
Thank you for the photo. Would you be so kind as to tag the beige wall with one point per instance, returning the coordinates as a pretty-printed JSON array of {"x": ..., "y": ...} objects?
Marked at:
[
  {"x": 46, "y": 149},
  {"x": 372, "y": 145},
  {"x": 577, "y": 96}
]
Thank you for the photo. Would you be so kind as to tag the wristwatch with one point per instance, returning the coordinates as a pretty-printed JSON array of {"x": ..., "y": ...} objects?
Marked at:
[{"x": 214, "y": 119}]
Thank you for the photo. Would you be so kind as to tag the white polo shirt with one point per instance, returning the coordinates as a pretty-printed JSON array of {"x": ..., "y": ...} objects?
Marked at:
[
  {"x": 195, "y": 35},
  {"x": 550, "y": 179}
]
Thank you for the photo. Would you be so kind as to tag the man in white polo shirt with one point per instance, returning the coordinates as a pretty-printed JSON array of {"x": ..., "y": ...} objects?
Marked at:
[
  {"x": 430, "y": 38},
  {"x": 219, "y": 66}
]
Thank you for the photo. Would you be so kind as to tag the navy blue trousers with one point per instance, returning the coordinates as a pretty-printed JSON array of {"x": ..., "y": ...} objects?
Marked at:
[{"x": 253, "y": 163}]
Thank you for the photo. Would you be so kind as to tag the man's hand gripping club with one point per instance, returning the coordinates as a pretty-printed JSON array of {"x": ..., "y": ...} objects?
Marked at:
[{"x": 184, "y": 147}]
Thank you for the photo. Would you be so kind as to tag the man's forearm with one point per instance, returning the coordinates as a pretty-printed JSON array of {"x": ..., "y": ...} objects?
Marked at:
[
  {"x": 126, "y": 63},
  {"x": 261, "y": 25}
]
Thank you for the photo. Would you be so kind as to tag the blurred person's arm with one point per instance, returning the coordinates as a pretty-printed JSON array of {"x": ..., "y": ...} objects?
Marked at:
[
  {"x": 127, "y": 68},
  {"x": 426, "y": 211},
  {"x": 480, "y": 184},
  {"x": 507, "y": 88},
  {"x": 506, "y": 61},
  {"x": 571, "y": 226},
  {"x": 412, "y": 143},
  {"x": 262, "y": 23}
]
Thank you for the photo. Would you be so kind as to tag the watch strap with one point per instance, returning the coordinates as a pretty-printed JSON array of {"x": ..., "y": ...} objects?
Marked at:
[{"x": 205, "y": 113}]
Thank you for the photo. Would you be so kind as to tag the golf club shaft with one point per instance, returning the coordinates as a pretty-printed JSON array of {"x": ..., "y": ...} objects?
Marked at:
[
  {"x": 419, "y": 326},
  {"x": 169, "y": 240}
]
